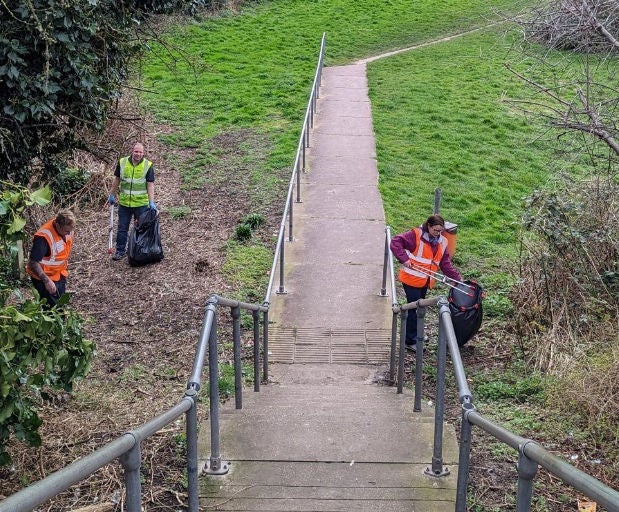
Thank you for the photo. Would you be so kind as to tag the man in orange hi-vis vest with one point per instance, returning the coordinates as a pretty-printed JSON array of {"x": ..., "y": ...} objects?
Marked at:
[
  {"x": 49, "y": 256},
  {"x": 421, "y": 251}
]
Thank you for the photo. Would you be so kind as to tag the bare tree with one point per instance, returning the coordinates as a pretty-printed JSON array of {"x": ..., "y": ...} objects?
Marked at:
[
  {"x": 575, "y": 82},
  {"x": 568, "y": 295}
]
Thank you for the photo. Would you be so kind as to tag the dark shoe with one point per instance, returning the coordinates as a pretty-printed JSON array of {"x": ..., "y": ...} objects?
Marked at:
[
  {"x": 118, "y": 256},
  {"x": 413, "y": 348}
]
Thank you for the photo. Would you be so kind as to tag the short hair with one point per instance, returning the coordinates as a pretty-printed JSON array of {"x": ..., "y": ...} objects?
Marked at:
[
  {"x": 65, "y": 218},
  {"x": 433, "y": 220}
]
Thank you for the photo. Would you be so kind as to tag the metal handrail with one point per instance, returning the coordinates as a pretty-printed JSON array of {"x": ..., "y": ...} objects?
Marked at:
[
  {"x": 295, "y": 178},
  {"x": 530, "y": 453},
  {"x": 126, "y": 448}
]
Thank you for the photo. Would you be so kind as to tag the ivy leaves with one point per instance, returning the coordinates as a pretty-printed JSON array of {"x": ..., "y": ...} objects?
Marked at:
[{"x": 39, "y": 350}]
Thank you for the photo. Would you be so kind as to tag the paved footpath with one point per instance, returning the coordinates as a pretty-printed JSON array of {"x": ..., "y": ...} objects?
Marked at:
[{"x": 322, "y": 436}]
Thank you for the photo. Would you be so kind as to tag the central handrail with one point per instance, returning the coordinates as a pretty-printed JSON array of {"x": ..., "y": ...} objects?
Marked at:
[{"x": 297, "y": 167}]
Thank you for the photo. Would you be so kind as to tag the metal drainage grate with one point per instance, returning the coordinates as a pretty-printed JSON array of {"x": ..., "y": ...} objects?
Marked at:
[{"x": 337, "y": 346}]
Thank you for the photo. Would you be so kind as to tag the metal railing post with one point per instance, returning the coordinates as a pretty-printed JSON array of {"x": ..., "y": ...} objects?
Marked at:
[
  {"x": 131, "y": 461},
  {"x": 236, "y": 351},
  {"x": 215, "y": 464},
  {"x": 527, "y": 469},
  {"x": 290, "y": 220},
  {"x": 394, "y": 334},
  {"x": 403, "y": 316},
  {"x": 265, "y": 346},
  {"x": 421, "y": 318},
  {"x": 437, "y": 469},
  {"x": 298, "y": 173},
  {"x": 191, "y": 432},
  {"x": 256, "y": 324},
  {"x": 281, "y": 289},
  {"x": 303, "y": 152},
  {"x": 383, "y": 288},
  {"x": 464, "y": 457}
]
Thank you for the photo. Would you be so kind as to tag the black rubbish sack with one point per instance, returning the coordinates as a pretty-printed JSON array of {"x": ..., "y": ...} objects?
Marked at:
[
  {"x": 145, "y": 240},
  {"x": 465, "y": 304}
]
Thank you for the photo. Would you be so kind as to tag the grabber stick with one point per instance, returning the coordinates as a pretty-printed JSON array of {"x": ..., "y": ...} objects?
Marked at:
[
  {"x": 443, "y": 279},
  {"x": 109, "y": 245}
]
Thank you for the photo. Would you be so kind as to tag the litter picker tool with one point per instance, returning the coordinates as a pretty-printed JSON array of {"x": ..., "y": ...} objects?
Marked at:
[
  {"x": 109, "y": 246},
  {"x": 444, "y": 279}
]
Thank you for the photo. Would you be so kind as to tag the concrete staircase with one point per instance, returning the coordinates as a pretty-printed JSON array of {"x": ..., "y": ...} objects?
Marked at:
[{"x": 328, "y": 438}]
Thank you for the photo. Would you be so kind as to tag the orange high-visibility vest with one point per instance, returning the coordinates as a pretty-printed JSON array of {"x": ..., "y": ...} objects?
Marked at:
[
  {"x": 55, "y": 265},
  {"x": 422, "y": 259}
]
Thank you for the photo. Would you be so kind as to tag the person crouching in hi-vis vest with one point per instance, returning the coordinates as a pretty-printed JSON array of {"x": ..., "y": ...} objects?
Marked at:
[
  {"x": 49, "y": 256},
  {"x": 421, "y": 251},
  {"x": 134, "y": 183}
]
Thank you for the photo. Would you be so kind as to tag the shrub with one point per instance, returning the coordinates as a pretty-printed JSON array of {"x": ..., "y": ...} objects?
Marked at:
[
  {"x": 39, "y": 350},
  {"x": 253, "y": 220},
  {"x": 242, "y": 233},
  {"x": 69, "y": 180}
]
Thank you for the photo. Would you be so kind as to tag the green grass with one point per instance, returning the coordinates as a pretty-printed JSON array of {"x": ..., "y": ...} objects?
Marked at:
[
  {"x": 440, "y": 122},
  {"x": 251, "y": 72}
]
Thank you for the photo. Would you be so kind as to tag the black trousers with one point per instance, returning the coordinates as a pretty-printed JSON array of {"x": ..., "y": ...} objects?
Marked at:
[
  {"x": 413, "y": 294},
  {"x": 61, "y": 286}
]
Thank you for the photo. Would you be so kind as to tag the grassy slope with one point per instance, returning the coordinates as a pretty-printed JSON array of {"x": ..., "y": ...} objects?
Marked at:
[
  {"x": 440, "y": 122},
  {"x": 255, "y": 70}
]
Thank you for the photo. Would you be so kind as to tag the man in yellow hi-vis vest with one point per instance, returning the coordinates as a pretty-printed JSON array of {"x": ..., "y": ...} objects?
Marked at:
[{"x": 134, "y": 183}]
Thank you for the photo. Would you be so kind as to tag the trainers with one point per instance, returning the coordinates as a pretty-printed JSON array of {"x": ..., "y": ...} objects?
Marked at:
[
  {"x": 413, "y": 348},
  {"x": 118, "y": 256}
]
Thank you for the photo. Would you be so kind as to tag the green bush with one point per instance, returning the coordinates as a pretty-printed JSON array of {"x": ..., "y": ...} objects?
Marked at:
[
  {"x": 69, "y": 180},
  {"x": 40, "y": 350},
  {"x": 242, "y": 233},
  {"x": 519, "y": 390},
  {"x": 253, "y": 220}
]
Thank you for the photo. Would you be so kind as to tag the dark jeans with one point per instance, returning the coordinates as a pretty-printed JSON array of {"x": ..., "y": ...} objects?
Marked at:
[
  {"x": 124, "y": 219},
  {"x": 51, "y": 299},
  {"x": 412, "y": 294}
]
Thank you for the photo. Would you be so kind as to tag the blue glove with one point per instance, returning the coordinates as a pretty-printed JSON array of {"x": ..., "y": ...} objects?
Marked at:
[
  {"x": 151, "y": 205},
  {"x": 111, "y": 199}
]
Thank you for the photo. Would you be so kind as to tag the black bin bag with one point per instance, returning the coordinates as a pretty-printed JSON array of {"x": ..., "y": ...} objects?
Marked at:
[
  {"x": 145, "y": 240},
  {"x": 465, "y": 304}
]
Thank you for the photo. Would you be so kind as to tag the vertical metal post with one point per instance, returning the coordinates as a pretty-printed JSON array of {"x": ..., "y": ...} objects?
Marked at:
[
  {"x": 394, "y": 334},
  {"x": 303, "y": 146},
  {"x": 527, "y": 469},
  {"x": 298, "y": 173},
  {"x": 437, "y": 469},
  {"x": 131, "y": 461},
  {"x": 290, "y": 215},
  {"x": 215, "y": 464},
  {"x": 383, "y": 288},
  {"x": 281, "y": 290},
  {"x": 307, "y": 135},
  {"x": 236, "y": 350},
  {"x": 256, "y": 320},
  {"x": 265, "y": 346},
  {"x": 421, "y": 318},
  {"x": 191, "y": 432},
  {"x": 464, "y": 457},
  {"x": 437, "y": 200},
  {"x": 403, "y": 316}
]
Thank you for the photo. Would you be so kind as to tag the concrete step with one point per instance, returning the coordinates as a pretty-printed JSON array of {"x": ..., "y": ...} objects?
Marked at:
[{"x": 277, "y": 486}]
